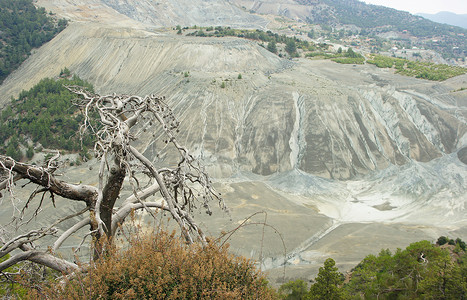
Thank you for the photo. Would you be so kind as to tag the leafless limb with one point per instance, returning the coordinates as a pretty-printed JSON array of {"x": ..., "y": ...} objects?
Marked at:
[
  {"x": 39, "y": 257},
  {"x": 112, "y": 120},
  {"x": 225, "y": 236},
  {"x": 69, "y": 232},
  {"x": 20, "y": 240},
  {"x": 8, "y": 182}
]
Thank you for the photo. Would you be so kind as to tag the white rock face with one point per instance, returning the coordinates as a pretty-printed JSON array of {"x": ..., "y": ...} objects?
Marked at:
[{"x": 186, "y": 13}]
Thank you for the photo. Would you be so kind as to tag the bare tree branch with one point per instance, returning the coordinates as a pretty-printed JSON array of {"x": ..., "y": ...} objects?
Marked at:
[
  {"x": 41, "y": 258},
  {"x": 113, "y": 120},
  {"x": 7, "y": 182},
  {"x": 20, "y": 240},
  {"x": 69, "y": 232},
  {"x": 165, "y": 193},
  {"x": 43, "y": 177},
  {"x": 124, "y": 211}
]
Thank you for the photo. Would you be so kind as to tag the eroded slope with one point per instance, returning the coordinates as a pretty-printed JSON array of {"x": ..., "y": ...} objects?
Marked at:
[
  {"x": 163, "y": 13},
  {"x": 323, "y": 118}
]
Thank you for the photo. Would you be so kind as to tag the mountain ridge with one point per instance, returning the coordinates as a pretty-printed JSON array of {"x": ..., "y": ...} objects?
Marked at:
[
  {"x": 328, "y": 16},
  {"x": 447, "y": 17}
]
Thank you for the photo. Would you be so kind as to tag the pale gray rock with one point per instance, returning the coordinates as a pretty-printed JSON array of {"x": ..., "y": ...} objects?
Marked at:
[
  {"x": 160, "y": 13},
  {"x": 186, "y": 13}
]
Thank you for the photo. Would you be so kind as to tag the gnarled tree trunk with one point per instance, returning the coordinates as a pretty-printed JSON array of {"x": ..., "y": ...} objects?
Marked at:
[{"x": 119, "y": 162}]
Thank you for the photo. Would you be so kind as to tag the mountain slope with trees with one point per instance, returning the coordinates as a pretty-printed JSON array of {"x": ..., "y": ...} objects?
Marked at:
[
  {"x": 44, "y": 114},
  {"x": 22, "y": 28},
  {"x": 373, "y": 20},
  {"x": 352, "y": 16},
  {"x": 421, "y": 271}
]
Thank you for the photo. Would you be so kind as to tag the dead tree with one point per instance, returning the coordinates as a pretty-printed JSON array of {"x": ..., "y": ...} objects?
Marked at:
[{"x": 176, "y": 190}]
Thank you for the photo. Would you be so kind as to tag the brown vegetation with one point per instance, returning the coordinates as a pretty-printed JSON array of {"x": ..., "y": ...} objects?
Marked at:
[{"x": 162, "y": 266}]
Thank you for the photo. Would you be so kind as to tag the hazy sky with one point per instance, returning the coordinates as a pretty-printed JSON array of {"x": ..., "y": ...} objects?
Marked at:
[{"x": 424, "y": 6}]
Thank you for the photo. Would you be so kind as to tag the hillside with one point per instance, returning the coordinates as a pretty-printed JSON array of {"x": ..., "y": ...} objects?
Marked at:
[
  {"x": 345, "y": 159},
  {"x": 361, "y": 143},
  {"x": 22, "y": 28},
  {"x": 359, "y": 18},
  {"x": 348, "y": 18},
  {"x": 160, "y": 14}
]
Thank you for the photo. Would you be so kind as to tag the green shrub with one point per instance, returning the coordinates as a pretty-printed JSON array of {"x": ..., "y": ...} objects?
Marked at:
[
  {"x": 442, "y": 240},
  {"x": 423, "y": 70}
]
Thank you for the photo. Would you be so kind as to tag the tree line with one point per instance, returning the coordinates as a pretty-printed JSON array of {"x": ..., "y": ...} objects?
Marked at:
[
  {"x": 291, "y": 43},
  {"x": 22, "y": 28},
  {"x": 418, "y": 69},
  {"x": 161, "y": 266},
  {"x": 44, "y": 115},
  {"x": 421, "y": 271}
]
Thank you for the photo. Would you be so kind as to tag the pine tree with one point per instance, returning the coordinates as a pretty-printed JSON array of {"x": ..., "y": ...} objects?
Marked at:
[
  {"x": 272, "y": 47},
  {"x": 291, "y": 47},
  {"x": 327, "y": 282}
]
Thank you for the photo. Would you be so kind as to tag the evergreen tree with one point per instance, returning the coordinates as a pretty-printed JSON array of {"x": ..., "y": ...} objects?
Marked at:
[
  {"x": 272, "y": 47},
  {"x": 351, "y": 53},
  {"x": 291, "y": 47},
  {"x": 311, "y": 34},
  {"x": 327, "y": 283},
  {"x": 294, "y": 290}
]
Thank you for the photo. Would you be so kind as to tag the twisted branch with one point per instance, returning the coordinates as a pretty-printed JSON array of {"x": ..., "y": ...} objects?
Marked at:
[{"x": 111, "y": 120}]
